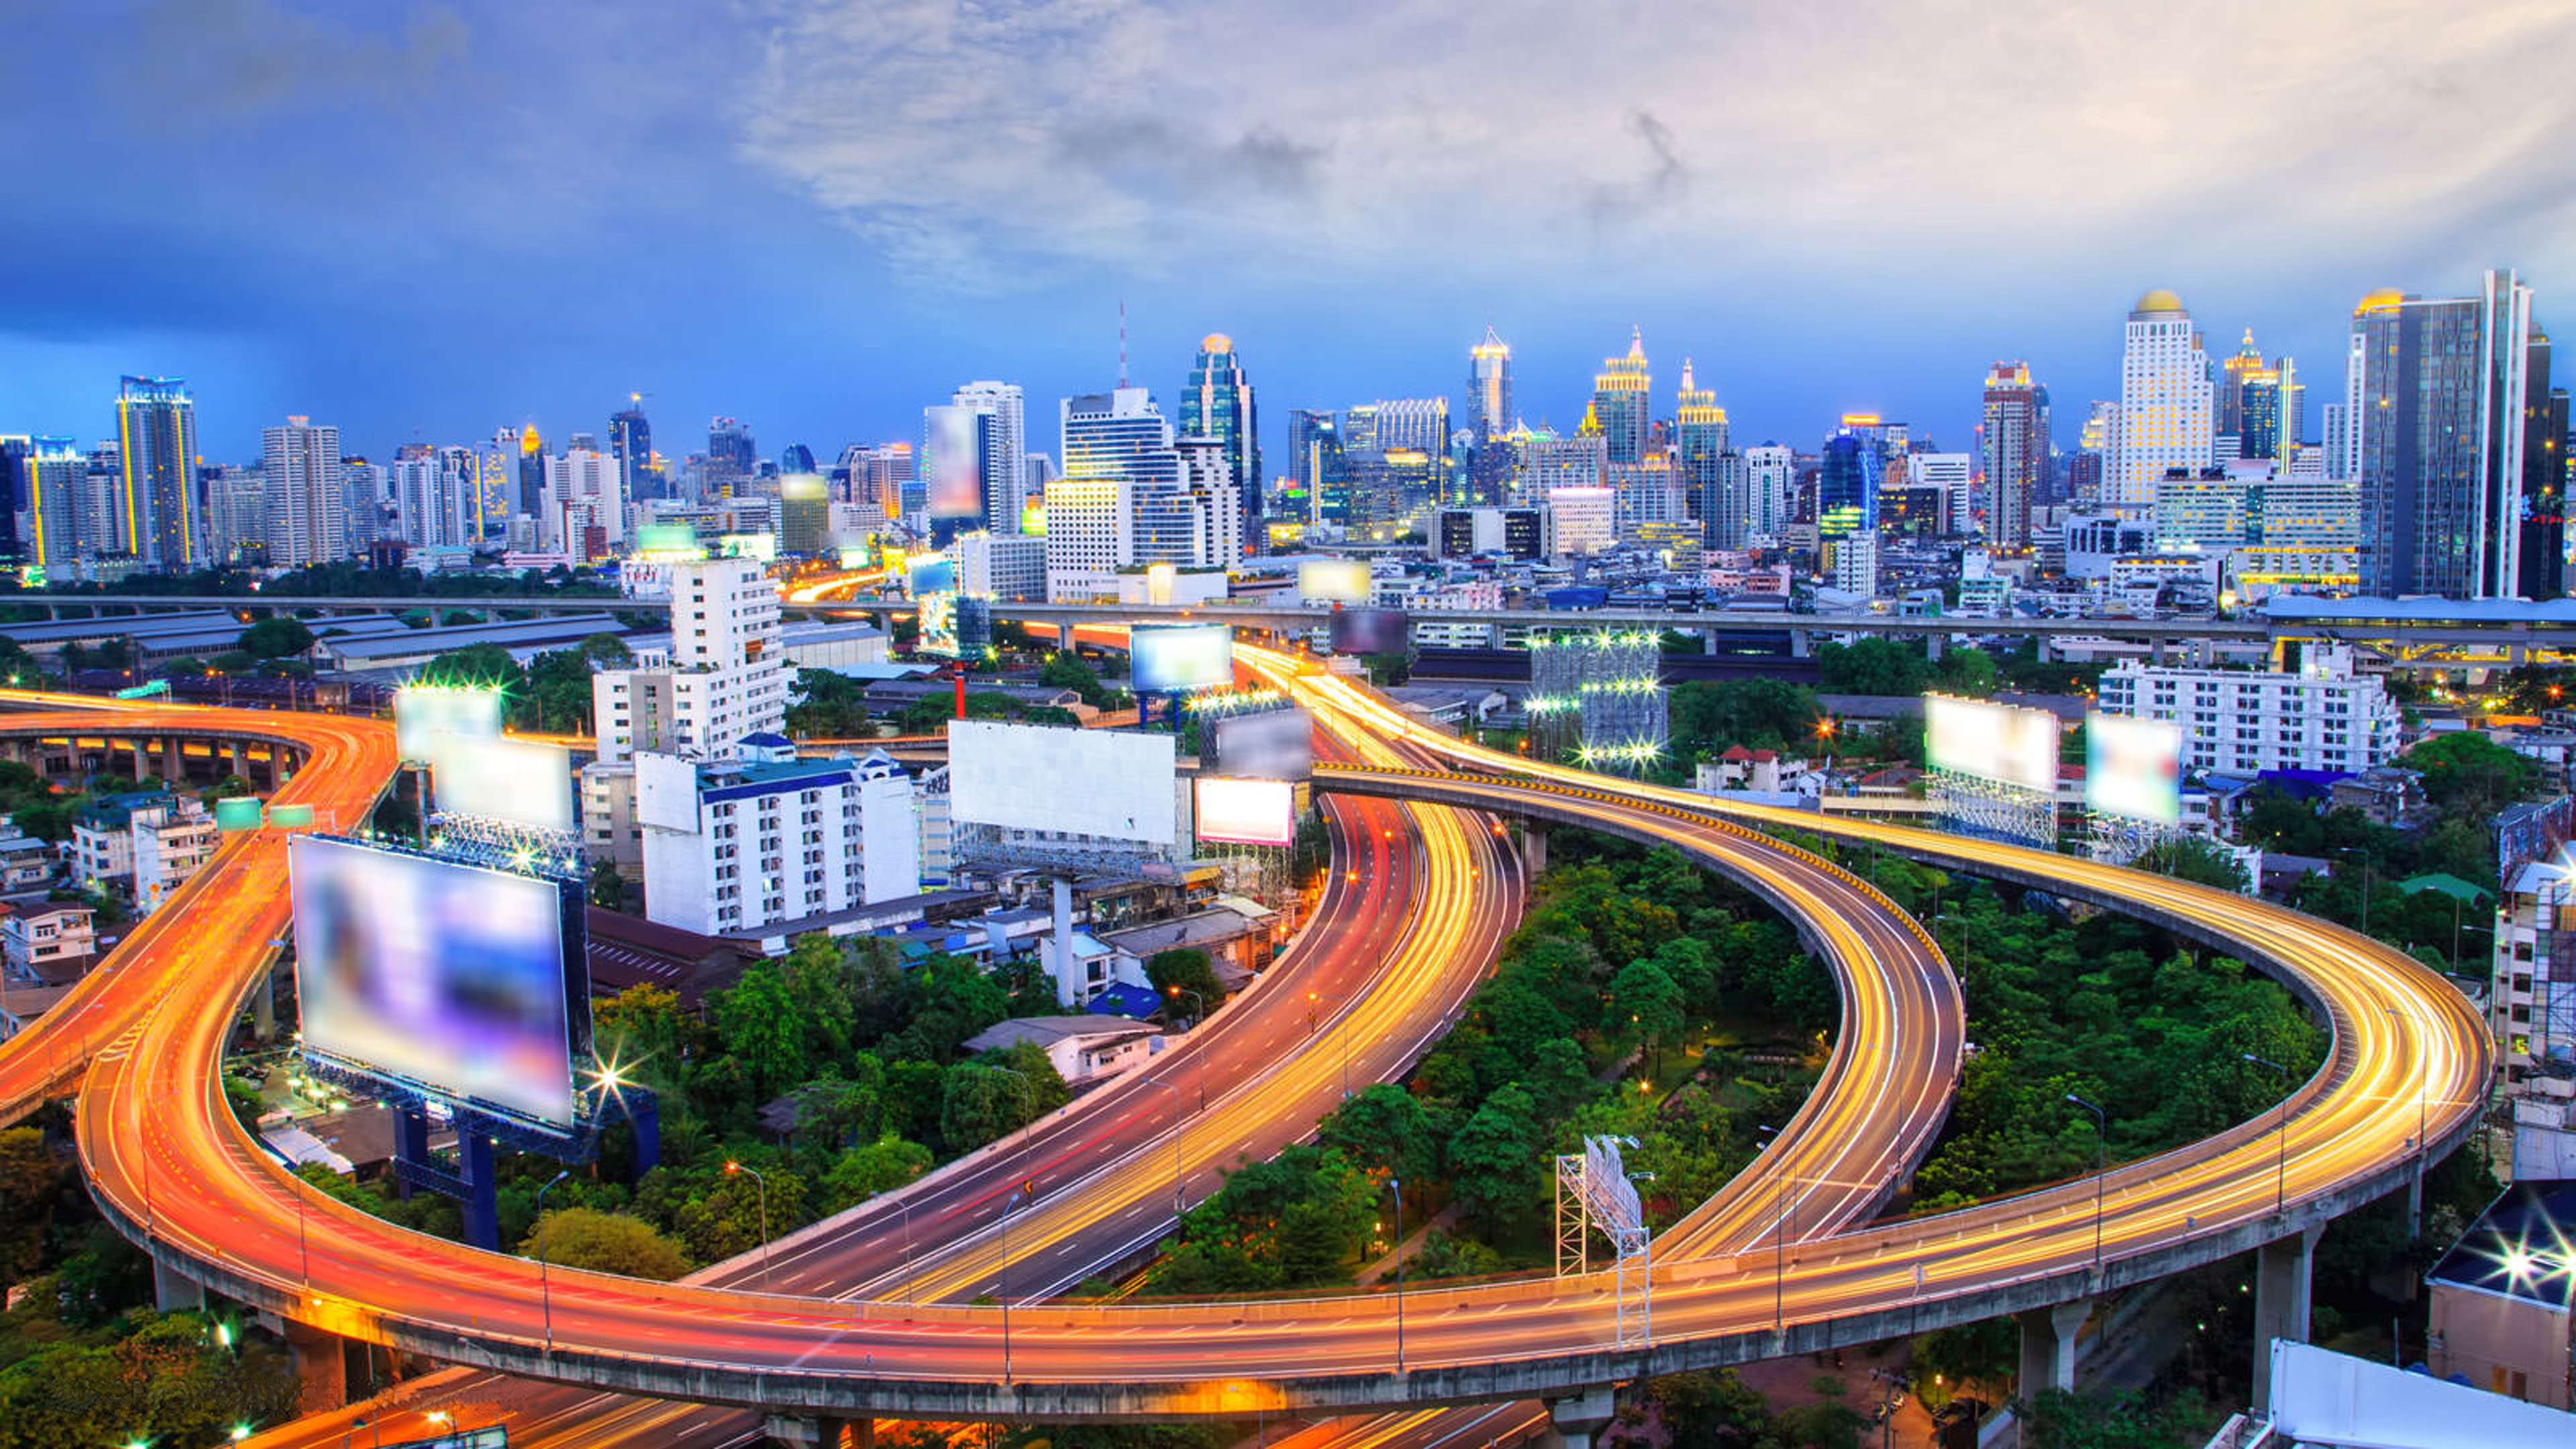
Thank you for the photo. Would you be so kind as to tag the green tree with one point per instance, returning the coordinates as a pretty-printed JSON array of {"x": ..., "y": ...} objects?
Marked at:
[
  {"x": 1762, "y": 713},
  {"x": 759, "y": 1025},
  {"x": 1494, "y": 1160},
  {"x": 607, "y": 887},
  {"x": 2191, "y": 858},
  {"x": 1646, "y": 1005},
  {"x": 828, "y": 704},
  {"x": 2056, "y": 1419},
  {"x": 278, "y": 637},
  {"x": 2465, "y": 773},
  {"x": 978, "y": 1104},
  {"x": 1068, "y": 670},
  {"x": 1388, "y": 669},
  {"x": 604, "y": 1242},
  {"x": 880, "y": 1166},
  {"x": 1384, "y": 1131},
  {"x": 1185, "y": 969},
  {"x": 1964, "y": 671},
  {"x": 1873, "y": 666}
]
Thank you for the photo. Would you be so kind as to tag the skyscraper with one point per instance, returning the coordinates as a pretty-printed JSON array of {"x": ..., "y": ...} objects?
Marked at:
[
  {"x": 2167, "y": 404},
  {"x": 2228, "y": 414},
  {"x": 1847, "y": 486},
  {"x": 1699, "y": 451},
  {"x": 307, "y": 515},
  {"x": 732, "y": 458},
  {"x": 1621, "y": 403},
  {"x": 2012, "y": 444},
  {"x": 1218, "y": 404},
  {"x": 1770, "y": 492},
  {"x": 1315, "y": 464},
  {"x": 2441, "y": 390},
  {"x": 1114, "y": 445},
  {"x": 2544, "y": 476},
  {"x": 57, "y": 477},
  {"x": 17, "y": 486},
  {"x": 156, "y": 435},
  {"x": 630, "y": 437},
  {"x": 1001, "y": 446}
]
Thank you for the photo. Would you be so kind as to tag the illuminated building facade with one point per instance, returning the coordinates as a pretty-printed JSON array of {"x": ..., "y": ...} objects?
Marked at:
[
  {"x": 1699, "y": 454},
  {"x": 2442, "y": 391},
  {"x": 1847, "y": 486},
  {"x": 1621, "y": 403},
  {"x": 630, "y": 437},
  {"x": 2544, "y": 477},
  {"x": 2167, "y": 404},
  {"x": 156, "y": 435},
  {"x": 732, "y": 458},
  {"x": 1218, "y": 404},
  {"x": 2012, "y": 447},
  {"x": 1316, "y": 467},
  {"x": 1598, "y": 699},
  {"x": 1000, "y": 436}
]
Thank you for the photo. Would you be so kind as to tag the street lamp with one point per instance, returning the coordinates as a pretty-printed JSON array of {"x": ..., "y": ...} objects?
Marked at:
[
  {"x": 1396, "y": 1185},
  {"x": 1175, "y": 1089},
  {"x": 1176, "y": 993},
  {"x": 2101, "y": 1165},
  {"x": 1002, "y": 1273},
  {"x": 1345, "y": 1037},
  {"x": 762, "y": 1183},
  {"x": 2281, "y": 1188},
  {"x": 545, "y": 1292}
]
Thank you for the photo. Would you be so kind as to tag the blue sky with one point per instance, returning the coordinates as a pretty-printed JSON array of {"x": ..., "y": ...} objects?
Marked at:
[{"x": 430, "y": 220}]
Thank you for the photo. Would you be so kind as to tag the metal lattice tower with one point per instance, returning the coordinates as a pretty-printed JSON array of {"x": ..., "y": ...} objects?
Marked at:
[{"x": 1593, "y": 1190}]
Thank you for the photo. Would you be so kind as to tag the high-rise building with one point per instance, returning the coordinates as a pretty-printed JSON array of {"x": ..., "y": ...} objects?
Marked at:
[
  {"x": 530, "y": 500},
  {"x": 1941, "y": 484},
  {"x": 307, "y": 521},
  {"x": 2441, "y": 388},
  {"x": 435, "y": 496},
  {"x": 630, "y": 437},
  {"x": 726, "y": 679},
  {"x": 2012, "y": 446},
  {"x": 732, "y": 457},
  {"x": 1847, "y": 486},
  {"x": 1001, "y": 447},
  {"x": 1116, "y": 445},
  {"x": 1417, "y": 424},
  {"x": 17, "y": 487},
  {"x": 2544, "y": 476},
  {"x": 156, "y": 435},
  {"x": 878, "y": 475},
  {"x": 1699, "y": 451},
  {"x": 1218, "y": 404},
  {"x": 2167, "y": 404},
  {"x": 57, "y": 480},
  {"x": 584, "y": 511},
  {"x": 1315, "y": 472},
  {"x": 1621, "y": 402},
  {"x": 2228, "y": 406},
  {"x": 1770, "y": 493},
  {"x": 804, "y": 514},
  {"x": 1489, "y": 389}
]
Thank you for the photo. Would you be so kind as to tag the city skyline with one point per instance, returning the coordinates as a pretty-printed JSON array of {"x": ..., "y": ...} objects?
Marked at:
[{"x": 771, "y": 271}]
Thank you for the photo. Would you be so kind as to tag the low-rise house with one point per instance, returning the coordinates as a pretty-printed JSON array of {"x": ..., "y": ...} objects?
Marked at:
[
  {"x": 1083, "y": 1048},
  {"x": 48, "y": 941}
]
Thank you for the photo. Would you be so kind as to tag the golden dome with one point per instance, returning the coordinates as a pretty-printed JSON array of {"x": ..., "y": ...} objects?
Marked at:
[
  {"x": 2159, "y": 299},
  {"x": 2386, "y": 299},
  {"x": 1216, "y": 342},
  {"x": 529, "y": 442}
]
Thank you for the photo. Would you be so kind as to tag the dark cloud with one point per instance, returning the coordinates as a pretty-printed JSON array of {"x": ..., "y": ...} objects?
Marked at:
[
  {"x": 1611, "y": 204},
  {"x": 1158, "y": 158}
]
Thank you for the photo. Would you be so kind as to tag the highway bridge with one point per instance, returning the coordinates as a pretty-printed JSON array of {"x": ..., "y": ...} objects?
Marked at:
[{"x": 2406, "y": 1045}]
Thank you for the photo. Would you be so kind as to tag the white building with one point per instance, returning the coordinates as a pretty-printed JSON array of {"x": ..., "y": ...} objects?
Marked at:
[
  {"x": 762, "y": 840},
  {"x": 1583, "y": 520},
  {"x": 1856, "y": 564},
  {"x": 1954, "y": 474},
  {"x": 2168, "y": 405},
  {"x": 1129, "y": 496},
  {"x": 436, "y": 493},
  {"x": 2324, "y": 717},
  {"x": 727, "y": 676},
  {"x": 1770, "y": 493},
  {"x": 2531, "y": 1003},
  {"x": 306, "y": 514},
  {"x": 1082, "y": 1048},
  {"x": 583, "y": 491},
  {"x": 1002, "y": 458},
  {"x": 47, "y": 940},
  {"x": 1006, "y": 566},
  {"x": 147, "y": 843}
]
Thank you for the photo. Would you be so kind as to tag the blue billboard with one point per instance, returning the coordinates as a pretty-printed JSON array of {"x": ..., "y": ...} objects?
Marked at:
[{"x": 1180, "y": 658}]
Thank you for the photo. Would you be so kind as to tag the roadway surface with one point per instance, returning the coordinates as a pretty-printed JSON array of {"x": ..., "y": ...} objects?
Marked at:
[{"x": 2405, "y": 1041}]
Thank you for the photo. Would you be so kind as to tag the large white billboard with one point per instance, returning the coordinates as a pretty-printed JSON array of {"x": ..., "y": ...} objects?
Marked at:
[
  {"x": 1272, "y": 744},
  {"x": 2133, "y": 767},
  {"x": 1180, "y": 658},
  {"x": 1109, "y": 783},
  {"x": 517, "y": 782},
  {"x": 422, "y": 711},
  {"x": 1333, "y": 581},
  {"x": 1245, "y": 812},
  {"x": 438, "y": 974},
  {"x": 1997, "y": 742},
  {"x": 666, "y": 792}
]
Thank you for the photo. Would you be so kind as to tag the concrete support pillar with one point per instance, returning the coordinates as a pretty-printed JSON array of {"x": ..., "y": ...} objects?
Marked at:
[
  {"x": 1933, "y": 645},
  {"x": 1068, "y": 992},
  {"x": 1064, "y": 638},
  {"x": 818, "y": 1431},
  {"x": 1493, "y": 636},
  {"x": 1708, "y": 641},
  {"x": 322, "y": 1363},
  {"x": 1533, "y": 848},
  {"x": 174, "y": 761},
  {"x": 1575, "y": 1420},
  {"x": 2048, "y": 1346},
  {"x": 1802, "y": 643},
  {"x": 135, "y": 746},
  {"x": 2283, "y": 1271},
  {"x": 174, "y": 1291},
  {"x": 234, "y": 764}
]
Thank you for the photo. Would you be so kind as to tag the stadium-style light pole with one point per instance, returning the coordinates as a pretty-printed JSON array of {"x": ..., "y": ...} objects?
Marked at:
[
  {"x": 545, "y": 1289},
  {"x": 2101, "y": 1165},
  {"x": 762, "y": 1183},
  {"x": 1177, "y": 992},
  {"x": 2281, "y": 1182}
]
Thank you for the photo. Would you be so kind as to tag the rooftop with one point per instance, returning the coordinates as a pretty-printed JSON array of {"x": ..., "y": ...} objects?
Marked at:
[
  {"x": 1044, "y": 1030},
  {"x": 2523, "y": 1246}
]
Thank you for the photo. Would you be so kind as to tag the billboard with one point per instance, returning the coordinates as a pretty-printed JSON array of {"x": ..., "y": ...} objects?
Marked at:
[
  {"x": 1275, "y": 744},
  {"x": 2016, "y": 747},
  {"x": 237, "y": 812},
  {"x": 291, "y": 817},
  {"x": 457, "y": 978},
  {"x": 1108, "y": 783},
  {"x": 1333, "y": 581},
  {"x": 2133, "y": 767},
  {"x": 666, "y": 792},
  {"x": 930, "y": 573},
  {"x": 1245, "y": 812},
  {"x": 516, "y": 782},
  {"x": 424, "y": 710},
  {"x": 1371, "y": 631},
  {"x": 952, "y": 485},
  {"x": 938, "y": 624},
  {"x": 1180, "y": 658}
]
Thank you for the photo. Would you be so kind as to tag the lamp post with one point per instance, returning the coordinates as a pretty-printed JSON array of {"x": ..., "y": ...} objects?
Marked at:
[
  {"x": 1395, "y": 1185},
  {"x": 2281, "y": 1187},
  {"x": 1176, "y": 993},
  {"x": 1344, "y": 1038},
  {"x": 1002, "y": 1274},
  {"x": 545, "y": 1290},
  {"x": 2101, "y": 1166},
  {"x": 762, "y": 1183},
  {"x": 1174, "y": 1088}
]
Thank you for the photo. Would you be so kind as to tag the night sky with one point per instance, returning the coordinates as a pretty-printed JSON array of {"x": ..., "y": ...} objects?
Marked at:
[{"x": 425, "y": 221}]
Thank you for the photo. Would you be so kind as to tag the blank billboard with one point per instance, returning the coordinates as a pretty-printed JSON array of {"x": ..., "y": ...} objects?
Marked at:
[
  {"x": 516, "y": 782},
  {"x": 431, "y": 973},
  {"x": 952, "y": 484},
  {"x": 1275, "y": 744},
  {"x": 1245, "y": 812},
  {"x": 1180, "y": 658},
  {"x": 1108, "y": 783},
  {"x": 1996, "y": 742},
  {"x": 2133, "y": 767},
  {"x": 1371, "y": 631},
  {"x": 1333, "y": 581},
  {"x": 930, "y": 573},
  {"x": 666, "y": 792},
  {"x": 424, "y": 710}
]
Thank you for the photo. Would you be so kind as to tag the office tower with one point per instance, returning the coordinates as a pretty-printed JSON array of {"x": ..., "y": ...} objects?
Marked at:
[
  {"x": 1200, "y": 524},
  {"x": 2012, "y": 446},
  {"x": 2088, "y": 473},
  {"x": 306, "y": 523},
  {"x": 17, "y": 486},
  {"x": 879, "y": 475},
  {"x": 2441, "y": 392},
  {"x": 2228, "y": 406},
  {"x": 363, "y": 517},
  {"x": 1001, "y": 451},
  {"x": 732, "y": 458},
  {"x": 1940, "y": 486},
  {"x": 239, "y": 525},
  {"x": 795, "y": 458},
  {"x": 2338, "y": 447},
  {"x": 804, "y": 514},
  {"x": 1218, "y": 404},
  {"x": 2167, "y": 404},
  {"x": 1847, "y": 486},
  {"x": 56, "y": 479},
  {"x": 2543, "y": 547},
  {"x": 1552, "y": 462},
  {"x": 1315, "y": 465},
  {"x": 1489, "y": 389},
  {"x": 435, "y": 493},
  {"x": 1115, "y": 445},
  {"x": 727, "y": 677},
  {"x": 1699, "y": 445},
  {"x": 1770, "y": 493},
  {"x": 1415, "y": 424},
  {"x": 1621, "y": 404},
  {"x": 630, "y": 438},
  {"x": 585, "y": 505},
  {"x": 156, "y": 436}
]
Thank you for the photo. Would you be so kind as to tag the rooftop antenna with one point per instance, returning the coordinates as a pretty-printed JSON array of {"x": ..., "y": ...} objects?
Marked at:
[{"x": 1122, "y": 342}]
